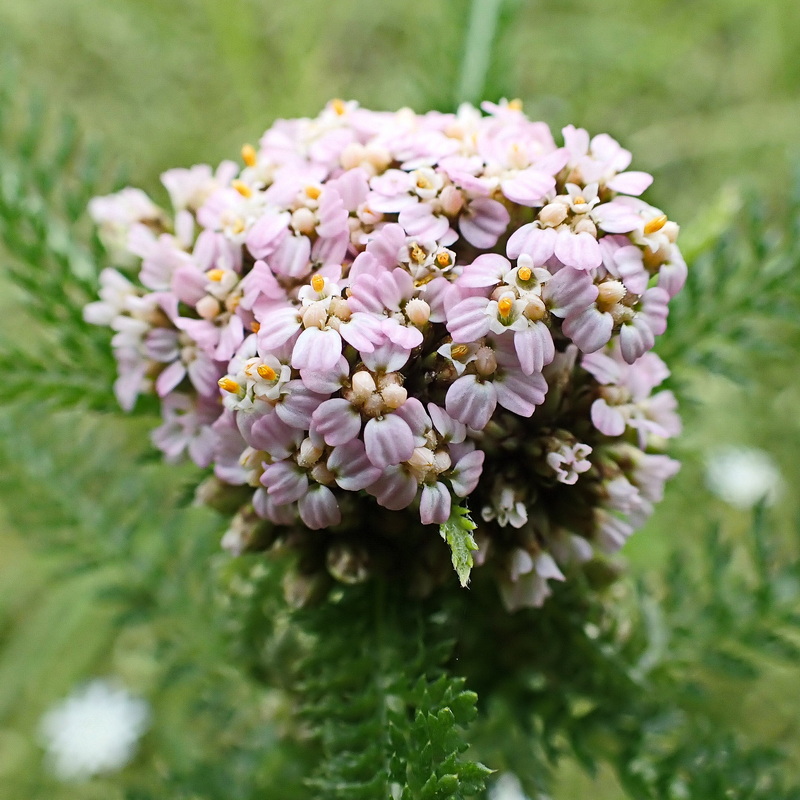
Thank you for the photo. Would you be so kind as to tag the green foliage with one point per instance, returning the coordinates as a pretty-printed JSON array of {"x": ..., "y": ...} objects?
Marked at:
[
  {"x": 742, "y": 296},
  {"x": 48, "y": 355},
  {"x": 457, "y": 532},
  {"x": 389, "y": 719}
]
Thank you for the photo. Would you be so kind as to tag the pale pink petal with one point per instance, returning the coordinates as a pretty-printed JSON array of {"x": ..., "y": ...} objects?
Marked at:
[
  {"x": 317, "y": 350},
  {"x": 278, "y": 327},
  {"x": 528, "y": 187},
  {"x": 607, "y": 419},
  {"x": 467, "y": 321},
  {"x": 434, "y": 504},
  {"x": 450, "y": 429},
  {"x": 633, "y": 182},
  {"x": 486, "y": 270},
  {"x": 578, "y": 250},
  {"x": 292, "y": 256},
  {"x": 413, "y": 412},
  {"x": 386, "y": 357},
  {"x": 672, "y": 275},
  {"x": 329, "y": 381},
  {"x": 589, "y": 330},
  {"x": 386, "y": 245},
  {"x": 534, "y": 347},
  {"x": 616, "y": 217},
  {"x": 420, "y": 221},
  {"x": 569, "y": 292},
  {"x": 538, "y": 243},
  {"x": 635, "y": 339},
  {"x": 268, "y": 432},
  {"x": 266, "y": 234},
  {"x": 363, "y": 331},
  {"x": 285, "y": 481},
  {"x": 352, "y": 187},
  {"x": 484, "y": 222},
  {"x": 319, "y": 509},
  {"x": 337, "y": 421},
  {"x": 170, "y": 378},
  {"x": 404, "y": 336},
  {"x": 395, "y": 489},
  {"x": 521, "y": 394},
  {"x": 467, "y": 472},
  {"x": 351, "y": 467},
  {"x": 388, "y": 441},
  {"x": 297, "y": 405},
  {"x": 204, "y": 374},
  {"x": 332, "y": 214},
  {"x": 471, "y": 402}
]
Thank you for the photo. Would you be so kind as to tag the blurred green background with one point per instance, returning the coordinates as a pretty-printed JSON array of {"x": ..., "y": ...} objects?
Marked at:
[{"x": 706, "y": 93}]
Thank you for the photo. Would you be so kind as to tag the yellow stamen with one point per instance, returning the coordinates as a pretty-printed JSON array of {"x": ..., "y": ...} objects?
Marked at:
[
  {"x": 579, "y": 200},
  {"x": 255, "y": 327},
  {"x": 237, "y": 226},
  {"x": 317, "y": 283},
  {"x": 249, "y": 155},
  {"x": 459, "y": 351},
  {"x": 338, "y": 106},
  {"x": 443, "y": 260},
  {"x": 417, "y": 254},
  {"x": 243, "y": 189},
  {"x": 423, "y": 183},
  {"x": 515, "y": 104},
  {"x": 504, "y": 306},
  {"x": 229, "y": 385},
  {"x": 524, "y": 273},
  {"x": 656, "y": 224},
  {"x": 215, "y": 275},
  {"x": 313, "y": 192},
  {"x": 266, "y": 372}
]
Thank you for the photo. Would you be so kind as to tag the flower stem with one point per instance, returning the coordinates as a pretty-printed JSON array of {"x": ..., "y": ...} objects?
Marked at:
[{"x": 477, "y": 55}]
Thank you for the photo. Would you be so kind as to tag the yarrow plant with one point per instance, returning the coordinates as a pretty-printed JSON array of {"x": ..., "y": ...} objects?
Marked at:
[{"x": 383, "y": 318}]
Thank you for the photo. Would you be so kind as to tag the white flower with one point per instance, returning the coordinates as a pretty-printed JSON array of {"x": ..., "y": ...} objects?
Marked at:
[
  {"x": 743, "y": 476},
  {"x": 94, "y": 730},
  {"x": 507, "y": 787}
]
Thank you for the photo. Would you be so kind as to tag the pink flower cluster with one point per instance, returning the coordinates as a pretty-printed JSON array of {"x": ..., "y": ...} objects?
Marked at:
[{"x": 399, "y": 311}]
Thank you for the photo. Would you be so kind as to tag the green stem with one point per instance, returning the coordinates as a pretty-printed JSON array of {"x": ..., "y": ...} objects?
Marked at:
[{"x": 477, "y": 55}]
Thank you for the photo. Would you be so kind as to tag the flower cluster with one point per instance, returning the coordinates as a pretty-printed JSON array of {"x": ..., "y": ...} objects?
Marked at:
[{"x": 381, "y": 316}]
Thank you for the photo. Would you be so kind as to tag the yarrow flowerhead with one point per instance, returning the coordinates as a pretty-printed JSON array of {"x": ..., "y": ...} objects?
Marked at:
[{"x": 383, "y": 317}]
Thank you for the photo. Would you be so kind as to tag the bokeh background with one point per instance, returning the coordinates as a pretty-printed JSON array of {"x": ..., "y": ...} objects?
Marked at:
[{"x": 102, "y": 571}]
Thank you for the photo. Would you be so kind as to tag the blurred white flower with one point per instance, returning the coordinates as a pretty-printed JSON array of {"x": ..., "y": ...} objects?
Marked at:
[
  {"x": 94, "y": 730},
  {"x": 743, "y": 476},
  {"x": 507, "y": 787}
]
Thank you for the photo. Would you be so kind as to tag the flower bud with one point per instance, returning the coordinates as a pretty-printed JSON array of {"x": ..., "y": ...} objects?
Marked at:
[
  {"x": 418, "y": 311},
  {"x": 340, "y": 308},
  {"x": 321, "y": 474},
  {"x": 452, "y": 200},
  {"x": 394, "y": 396},
  {"x": 363, "y": 385},
  {"x": 586, "y": 226},
  {"x": 208, "y": 307},
  {"x": 309, "y": 453},
  {"x": 609, "y": 293},
  {"x": 352, "y": 155},
  {"x": 536, "y": 309},
  {"x": 442, "y": 461},
  {"x": 304, "y": 220},
  {"x": 485, "y": 361},
  {"x": 316, "y": 315},
  {"x": 421, "y": 462},
  {"x": 553, "y": 214}
]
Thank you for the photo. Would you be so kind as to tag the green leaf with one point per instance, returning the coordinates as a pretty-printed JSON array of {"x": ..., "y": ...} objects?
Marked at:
[{"x": 457, "y": 532}]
